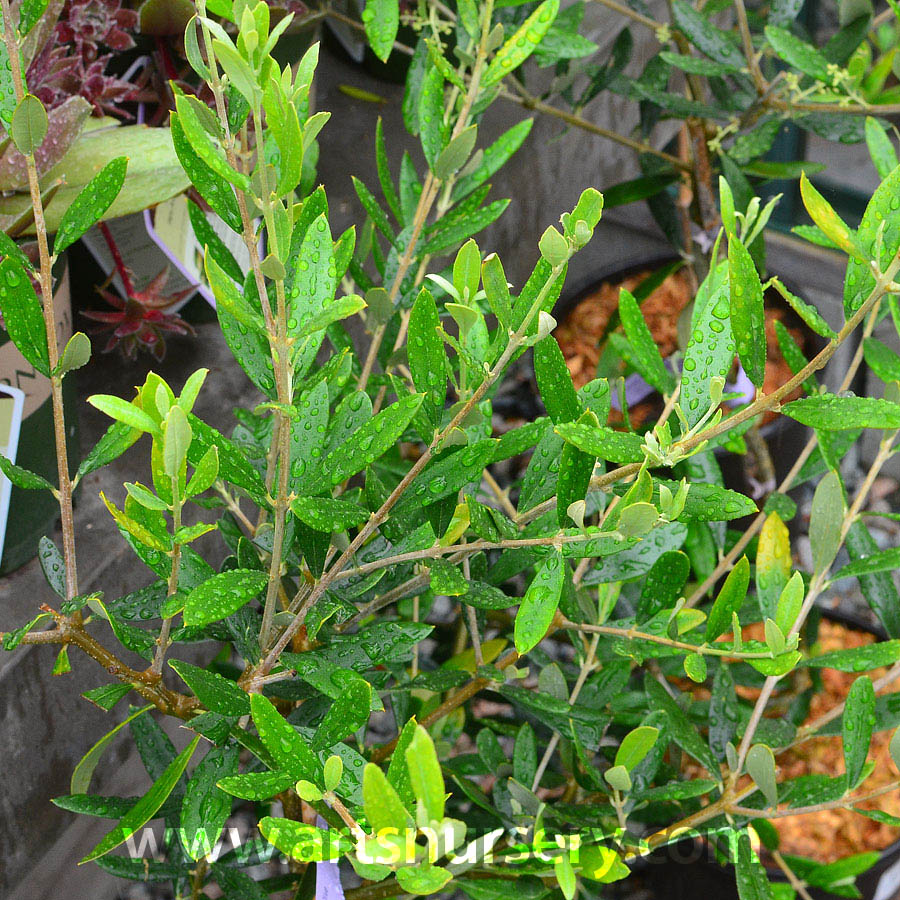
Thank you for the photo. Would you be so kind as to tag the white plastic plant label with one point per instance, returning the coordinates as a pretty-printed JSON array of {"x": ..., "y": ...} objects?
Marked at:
[{"x": 12, "y": 406}]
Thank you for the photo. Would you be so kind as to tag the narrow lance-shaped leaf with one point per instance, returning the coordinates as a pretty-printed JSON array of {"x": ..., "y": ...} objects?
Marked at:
[
  {"x": 425, "y": 774},
  {"x": 427, "y": 360},
  {"x": 830, "y": 412},
  {"x": 647, "y": 358},
  {"x": 147, "y": 806},
  {"x": 89, "y": 206},
  {"x": 859, "y": 722},
  {"x": 522, "y": 44},
  {"x": 826, "y": 521},
  {"x": 748, "y": 323},
  {"x": 729, "y": 600}
]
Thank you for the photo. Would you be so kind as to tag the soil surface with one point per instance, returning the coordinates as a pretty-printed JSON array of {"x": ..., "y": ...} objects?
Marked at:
[{"x": 581, "y": 332}]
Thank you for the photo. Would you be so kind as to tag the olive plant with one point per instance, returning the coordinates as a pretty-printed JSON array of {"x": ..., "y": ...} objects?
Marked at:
[{"x": 380, "y": 580}]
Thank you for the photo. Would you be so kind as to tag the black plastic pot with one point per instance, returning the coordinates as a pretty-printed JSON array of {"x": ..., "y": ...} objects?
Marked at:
[
  {"x": 785, "y": 437},
  {"x": 688, "y": 869}
]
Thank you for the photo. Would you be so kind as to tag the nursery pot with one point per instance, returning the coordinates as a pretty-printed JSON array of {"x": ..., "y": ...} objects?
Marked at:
[
  {"x": 784, "y": 437},
  {"x": 689, "y": 869},
  {"x": 32, "y": 514}
]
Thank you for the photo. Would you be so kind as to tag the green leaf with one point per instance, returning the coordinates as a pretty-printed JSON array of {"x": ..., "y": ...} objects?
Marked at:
[
  {"x": 635, "y": 746},
  {"x": 710, "y": 350},
  {"x": 645, "y": 357},
  {"x": 328, "y": 515},
  {"x": 858, "y": 659},
  {"x": 122, "y": 411},
  {"x": 114, "y": 442},
  {"x": 234, "y": 467},
  {"x": 431, "y": 126},
  {"x": 555, "y": 382},
  {"x": 84, "y": 770},
  {"x": 381, "y": 19},
  {"x": 304, "y": 843},
  {"x": 825, "y": 521},
  {"x": 214, "y": 691},
  {"x": 752, "y": 881},
  {"x": 884, "y": 156},
  {"x": 77, "y": 353},
  {"x": 220, "y": 596},
  {"x": 22, "y": 314},
  {"x": 346, "y": 715},
  {"x": 22, "y": 478},
  {"x": 748, "y": 323},
  {"x": 603, "y": 442},
  {"x": 799, "y": 54},
  {"x": 663, "y": 584},
  {"x": 859, "y": 722},
  {"x": 883, "y": 361},
  {"x": 229, "y": 298},
  {"x": 880, "y": 227},
  {"x": 637, "y": 189},
  {"x": 372, "y": 440},
  {"x": 427, "y": 359},
  {"x": 206, "y": 807},
  {"x": 538, "y": 606},
  {"x": 681, "y": 731},
  {"x": 53, "y": 566},
  {"x": 90, "y": 205},
  {"x": 773, "y": 563},
  {"x": 214, "y": 189},
  {"x": 209, "y": 239},
  {"x": 423, "y": 879},
  {"x": 821, "y": 212},
  {"x": 729, "y": 600},
  {"x": 761, "y": 768},
  {"x": 30, "y": 13},
  {"x": 93, "y": 805},
  {"x": 146, "y": 807},
  {"x": 705, "y": 36},
  {"x": 29, "y": 125},
  {"x": 724, "y": 712},
  {"x": 381, "y": 804},
  {"x": 453, "y": 157},
  {"x": 107, "y": 696},
  {"x": 878, "y": 588},
  {"x": 830, "y": 412},
  {"x": 493, "y": 158},
  {"x": 790, "y": 603},
  {"x": 257, "y": 785},
  {"x": 289, "y": 750},
  {"x": 447, "y": 580},
  {"x": 522, "y": 44},
  {"x": 189, "y": 111},
  {"x": 425, "y": 774}
]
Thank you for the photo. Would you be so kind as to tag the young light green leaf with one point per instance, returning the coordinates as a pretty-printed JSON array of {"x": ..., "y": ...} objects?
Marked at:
[
  {"x": 822, "y": 213},
  {"x": 383, "y": 808},
  {"x": 539, "y": 604},
  {"x": 425, "y": 774},
  {"x": 635, "y": 746},
  {"x": 761, "y": 768},
  {"x": 789, "y": 603},
  {"x": 122, "y": 411},
  {"x": 304, "y": 843},
  {"x": 77, "y": 353}
]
